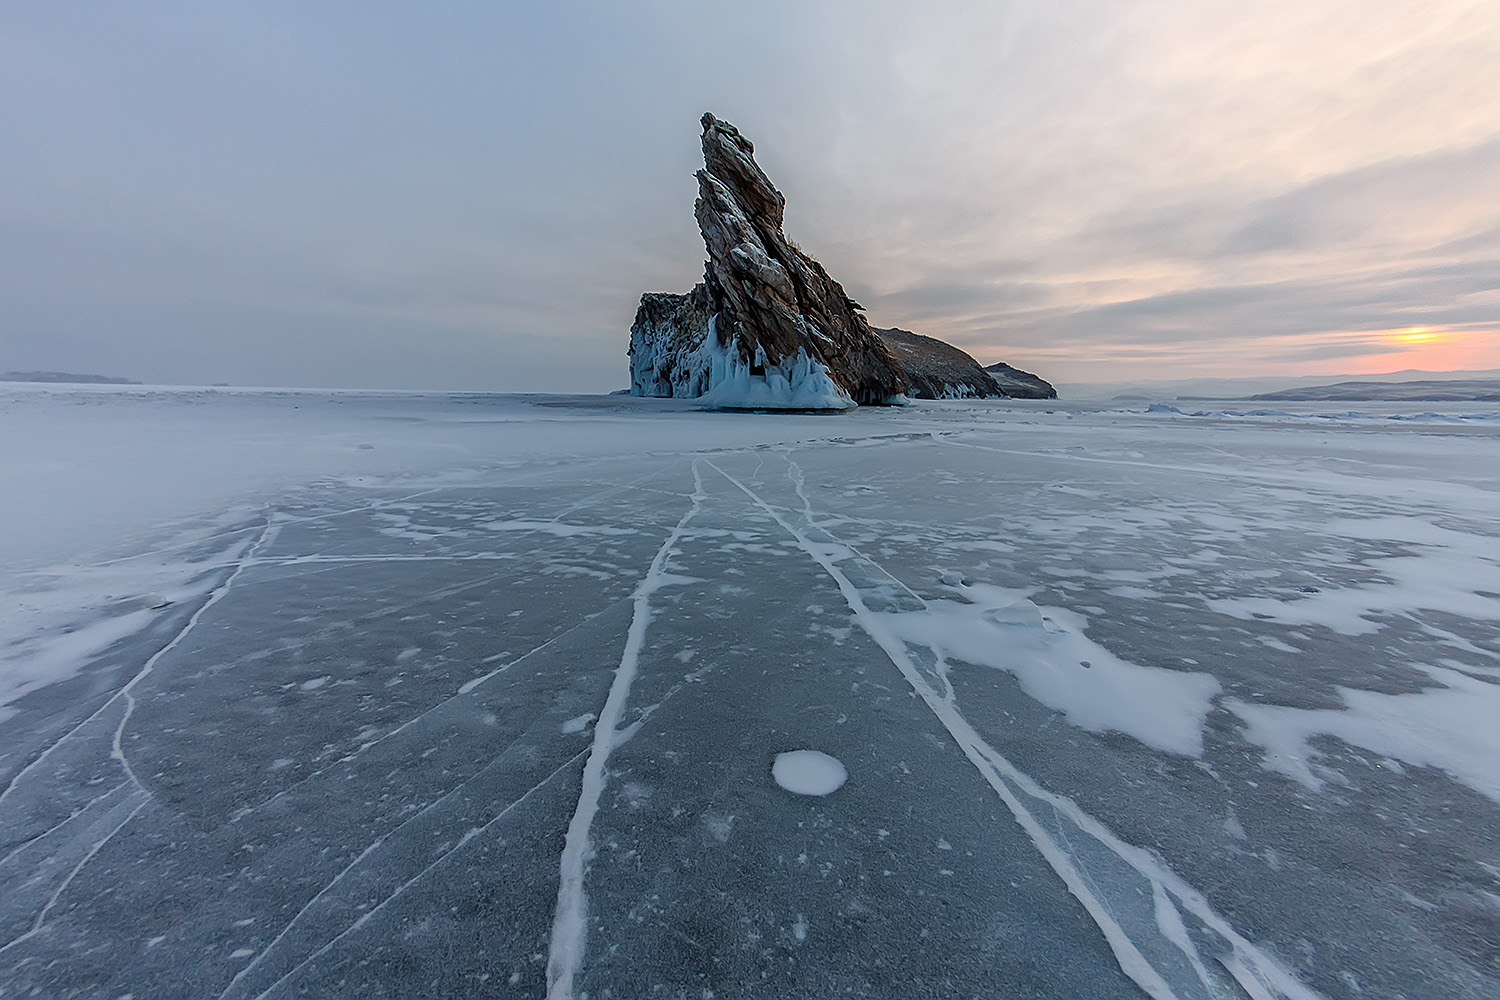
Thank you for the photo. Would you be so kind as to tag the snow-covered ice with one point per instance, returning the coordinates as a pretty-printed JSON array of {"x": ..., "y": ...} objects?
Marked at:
[{"x": 349, "y": 694}]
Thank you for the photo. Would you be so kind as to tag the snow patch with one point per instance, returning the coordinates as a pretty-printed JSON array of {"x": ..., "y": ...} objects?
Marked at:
[
  {"x": 719, "y": 826},
  {"x": 1057, "y": 664},
  {"x": 1451, "y": 727},
  {"x": 579, "y": 724},
  {"x": 49, "y": 659},
  {"x": 1451, "y": 571},
  {"x": 809, "y": 772}
]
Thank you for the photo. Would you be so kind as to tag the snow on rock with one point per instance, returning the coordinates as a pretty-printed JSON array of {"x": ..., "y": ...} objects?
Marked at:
[
  {"x": 669, "y": 362},
  {"x": 809, "y": 772},
  {"x": 666, "y": 344},
  {"x": 798, "y": 382}
]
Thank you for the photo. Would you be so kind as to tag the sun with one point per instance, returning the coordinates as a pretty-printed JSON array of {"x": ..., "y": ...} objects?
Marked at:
[{"x": 1415, "y": 335}]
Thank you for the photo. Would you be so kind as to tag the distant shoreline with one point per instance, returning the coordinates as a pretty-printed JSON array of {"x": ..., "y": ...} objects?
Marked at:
[{"x": 65, "y": 378}]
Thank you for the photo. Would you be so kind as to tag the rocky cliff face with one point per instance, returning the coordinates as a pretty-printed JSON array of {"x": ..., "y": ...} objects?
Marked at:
[
  {"x": 938, "y": 370},
  {"x": 768, "y": 327},
  {"x": 666, "y": 342},
  {"x": 1020, "y": 385}
]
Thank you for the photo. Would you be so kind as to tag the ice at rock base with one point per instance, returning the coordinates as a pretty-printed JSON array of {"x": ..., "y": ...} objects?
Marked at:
[
  {"x": 799, "y": 382},
  {"x": 721, "y": 380}
]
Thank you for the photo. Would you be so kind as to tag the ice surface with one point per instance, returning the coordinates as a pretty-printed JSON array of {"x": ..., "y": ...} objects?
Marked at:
[
  {"x": 1138, "y": 704},
  {"x": 809, "y": 772},
  {"x": 570, "y": 925}
]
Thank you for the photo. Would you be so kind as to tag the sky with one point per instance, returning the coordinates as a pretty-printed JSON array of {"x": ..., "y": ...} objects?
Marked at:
[{"x": 474, "y": 195}]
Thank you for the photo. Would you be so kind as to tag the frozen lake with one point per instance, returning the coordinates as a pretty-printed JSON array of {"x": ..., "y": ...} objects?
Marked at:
[{"x": 374, "y": 694}]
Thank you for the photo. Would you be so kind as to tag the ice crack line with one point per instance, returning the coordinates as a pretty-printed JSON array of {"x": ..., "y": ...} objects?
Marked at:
[
  {"x": 117, "y": 751},
  {"x": 464, "y": 689},
  {"x": 570, "y": 923},
  {"x": 266, "y": 534},
  {"x": 1257, "y": 972},
  {"x": 371, "y": 848},
  {"x": 41, "y": 917},
  {"x": 468, "y": 686},
  {"x": 400, "y": 890}
]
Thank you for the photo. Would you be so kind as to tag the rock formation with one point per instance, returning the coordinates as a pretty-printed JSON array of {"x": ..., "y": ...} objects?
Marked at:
[
  {"x": 1020, "y": 385},
  {"x": 768, "y": 328},
  {"x": 937, "y": 370}
]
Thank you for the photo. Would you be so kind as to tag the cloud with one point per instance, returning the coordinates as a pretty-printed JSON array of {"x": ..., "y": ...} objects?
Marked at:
[{"x": 1403, "y": 202}]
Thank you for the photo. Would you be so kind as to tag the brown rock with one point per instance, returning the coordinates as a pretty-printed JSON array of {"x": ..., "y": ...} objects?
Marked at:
[
  {"x": 773, "y": 301},
  {"x": 938, "y": 370}
]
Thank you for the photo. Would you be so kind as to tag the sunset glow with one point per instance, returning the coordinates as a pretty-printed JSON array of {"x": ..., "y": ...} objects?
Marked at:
[
  {"x": 1329, "y": 352},
  {"x": 1416, "y": 335},
  {"x": 1430, "y": 348}
]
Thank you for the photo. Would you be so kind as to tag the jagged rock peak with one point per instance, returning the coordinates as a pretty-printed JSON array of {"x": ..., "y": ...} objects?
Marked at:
[
  {"x": 774, "y": 304},
  {"x": 730, "y": 157},
  {"x": 780, "y": 332}
]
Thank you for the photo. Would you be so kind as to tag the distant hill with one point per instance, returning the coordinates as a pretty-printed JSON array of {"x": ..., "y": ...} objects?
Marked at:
[
  {"x": 1426, "y": 390},
  {"x": 64, "y": 377},
  {"x": 935, "y": 369},
  {"x": 1247, "y": 386},
  {"x": 1020, "y": 385}
]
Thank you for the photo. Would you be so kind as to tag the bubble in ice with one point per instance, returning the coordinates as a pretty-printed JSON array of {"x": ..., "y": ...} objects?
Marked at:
[{"x": 808, "y": 772}]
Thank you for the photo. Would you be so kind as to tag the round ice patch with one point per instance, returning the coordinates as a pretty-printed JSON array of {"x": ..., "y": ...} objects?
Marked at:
[{"x": 808, "y": 772}]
